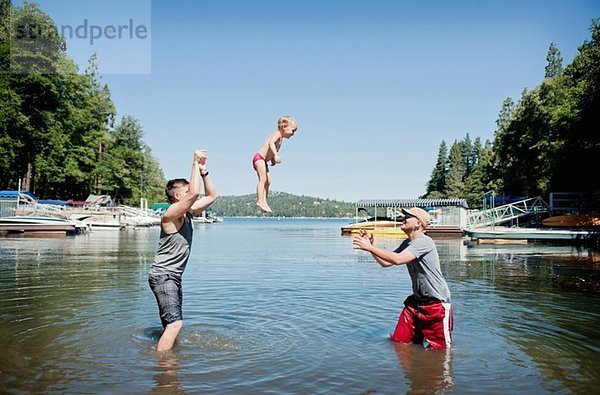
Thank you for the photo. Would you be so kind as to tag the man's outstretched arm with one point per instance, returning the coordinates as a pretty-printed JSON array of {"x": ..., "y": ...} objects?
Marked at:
[{"x": 384, "y": 257}]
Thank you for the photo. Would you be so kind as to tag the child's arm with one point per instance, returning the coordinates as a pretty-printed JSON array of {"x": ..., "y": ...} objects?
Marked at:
[{"x": 275, "y": 137}]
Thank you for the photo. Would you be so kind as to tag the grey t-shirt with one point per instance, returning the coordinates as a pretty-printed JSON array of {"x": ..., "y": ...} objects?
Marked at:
[
  {"x": 174, "y": 249},
  {"x": 425, "y": 272}
]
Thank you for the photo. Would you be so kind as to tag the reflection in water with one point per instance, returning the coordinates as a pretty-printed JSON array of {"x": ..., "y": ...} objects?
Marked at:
[
  {"x": 426, "y": 370},
  {"x": 547, "y": 307},
  {"x": 166, "y": 377}
]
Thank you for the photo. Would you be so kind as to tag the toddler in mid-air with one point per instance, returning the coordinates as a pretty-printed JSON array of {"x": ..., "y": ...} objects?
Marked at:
[{"x": 269, "y": 152}]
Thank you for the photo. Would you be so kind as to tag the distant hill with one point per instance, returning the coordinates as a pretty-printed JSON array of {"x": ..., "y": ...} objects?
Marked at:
[{"x": 282, "y": 204}]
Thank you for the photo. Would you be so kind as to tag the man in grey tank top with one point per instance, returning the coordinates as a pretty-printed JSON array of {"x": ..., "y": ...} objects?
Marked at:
[
  {"x": 174, "y": 245},
  {"x": 427, "y": 316}
]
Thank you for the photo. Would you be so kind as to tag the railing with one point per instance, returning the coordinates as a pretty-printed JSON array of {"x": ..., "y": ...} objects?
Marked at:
[
  {"x": 506, "y": 212},
  {"x": 136, "y": 211},
  {"x": 7, "y": 207}
]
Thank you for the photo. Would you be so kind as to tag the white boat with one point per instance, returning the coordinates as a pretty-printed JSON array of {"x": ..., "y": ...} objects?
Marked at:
[
  {"x": 99, "y": 221},
  {"x": 202, "y": 220},
  {"x": 93, "y": 213},
  {"x": 29, "y": 224},
  {"x": 207, "y": 219}
]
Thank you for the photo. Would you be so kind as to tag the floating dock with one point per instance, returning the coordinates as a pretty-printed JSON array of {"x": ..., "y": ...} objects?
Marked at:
[{"x": 534, "y": 234}]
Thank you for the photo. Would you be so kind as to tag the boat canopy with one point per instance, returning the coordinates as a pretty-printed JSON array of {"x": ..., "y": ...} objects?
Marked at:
[
  {"x": 15, "y": 194},
  {"x": 100, "y": 200},
  {"x": 53, "y": 202},
  {"x": 160, "y": 206},
  {"x": 425, "y": 203}
]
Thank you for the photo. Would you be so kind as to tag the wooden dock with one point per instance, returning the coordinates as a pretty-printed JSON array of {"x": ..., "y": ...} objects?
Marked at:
[{"x": 534, "y": 234}]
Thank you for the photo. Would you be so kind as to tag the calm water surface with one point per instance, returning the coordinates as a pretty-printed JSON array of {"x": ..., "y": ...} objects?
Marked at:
[{"x": 286, "y": 306}]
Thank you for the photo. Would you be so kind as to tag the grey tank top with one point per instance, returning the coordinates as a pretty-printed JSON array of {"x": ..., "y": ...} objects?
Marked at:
[{"x": 174, "y": 249}]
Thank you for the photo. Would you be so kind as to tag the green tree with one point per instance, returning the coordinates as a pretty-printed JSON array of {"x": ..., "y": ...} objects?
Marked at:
[
  {"x": 456, "y": 171},
  {"x": 35, "y": 43},
  {"x": 480, "y": 180},
  {"x": 124, "y": 160},
  {"x": 466, "y": 147},
  {"x": 153, "y": 180},
  {"x": 518, "y": 147},
  {"x": 577, "y": 118},
  {"x": 436, "y": 187},
  {"x": 59, "y": 123},
  {"x": 506, "y": 114},
  {"x": 548, "y": 141},
  {"x": 130, "y": 170},
  {"x": 5, "y": 10},
  {"x": 554, "y": 59}
]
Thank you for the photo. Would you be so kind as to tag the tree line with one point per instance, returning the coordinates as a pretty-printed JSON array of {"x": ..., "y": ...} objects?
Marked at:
[
  {"x": 58, "y": 127},
  {"x": 284, "y": 204},
  {"x": 549, "y": 141}
]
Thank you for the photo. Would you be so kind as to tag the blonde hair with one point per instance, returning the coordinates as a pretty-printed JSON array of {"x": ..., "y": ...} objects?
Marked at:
[{"x": 286, "y": 120}]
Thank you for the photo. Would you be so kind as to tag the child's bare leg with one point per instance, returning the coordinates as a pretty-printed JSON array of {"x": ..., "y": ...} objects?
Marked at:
[
  {"x": 267, "y": 185},
  {"x": 262, "y": 188}
]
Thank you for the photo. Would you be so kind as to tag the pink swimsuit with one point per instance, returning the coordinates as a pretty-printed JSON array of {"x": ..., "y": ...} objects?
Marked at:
[{"x": 258, "y": 156}]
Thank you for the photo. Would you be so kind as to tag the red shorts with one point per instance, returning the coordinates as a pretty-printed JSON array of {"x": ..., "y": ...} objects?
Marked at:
[
  {"x": 419, "y": 322},
  {"x": 258, "y": 156}
]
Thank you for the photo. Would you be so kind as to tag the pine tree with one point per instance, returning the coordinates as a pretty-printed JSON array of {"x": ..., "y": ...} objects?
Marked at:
[
  {"x": 456, "y": 172},
  {"x": 436, "y": 187},
  {"x": 479, "y": 181},
  {"x": 467, "y": 152},
  {"x": 554, "y": 67}
]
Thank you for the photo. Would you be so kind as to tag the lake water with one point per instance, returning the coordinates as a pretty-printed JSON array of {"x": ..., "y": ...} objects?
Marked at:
[{"x": 287, "y": 306}]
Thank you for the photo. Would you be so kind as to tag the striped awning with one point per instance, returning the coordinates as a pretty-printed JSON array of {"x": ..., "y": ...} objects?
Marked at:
[{"x": 412, "y": 203}]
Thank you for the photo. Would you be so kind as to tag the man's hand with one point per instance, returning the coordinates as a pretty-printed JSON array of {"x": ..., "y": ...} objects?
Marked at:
[
  {"x": 363, "y": 241},
  {"x": 363, "y": 233},
  {"x": 200, "y": 157},
  {"x": 277, "y": 158}
]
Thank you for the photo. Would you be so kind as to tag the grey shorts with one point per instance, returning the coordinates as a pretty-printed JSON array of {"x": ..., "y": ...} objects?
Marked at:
[{"x": 169, "y": 296}]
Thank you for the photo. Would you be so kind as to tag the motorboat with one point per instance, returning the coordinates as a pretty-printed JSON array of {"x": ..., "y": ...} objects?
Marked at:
[{"x": 31, "y": 224}]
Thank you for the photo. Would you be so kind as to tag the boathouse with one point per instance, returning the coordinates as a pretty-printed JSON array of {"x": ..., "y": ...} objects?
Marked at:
[{"x": 448, "y": 216}]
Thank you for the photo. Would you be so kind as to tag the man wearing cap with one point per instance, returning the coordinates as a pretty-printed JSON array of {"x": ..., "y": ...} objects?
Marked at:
[{"x": 427, "y": 315}]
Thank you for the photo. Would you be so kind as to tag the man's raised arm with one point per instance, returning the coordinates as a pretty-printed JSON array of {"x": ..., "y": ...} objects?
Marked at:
[
  {"x": 186, "y": 202},
  {"x": 210, "y": 193}
]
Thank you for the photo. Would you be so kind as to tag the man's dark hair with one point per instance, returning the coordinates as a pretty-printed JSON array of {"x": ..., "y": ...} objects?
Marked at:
[{"x": 172, "y": 185}]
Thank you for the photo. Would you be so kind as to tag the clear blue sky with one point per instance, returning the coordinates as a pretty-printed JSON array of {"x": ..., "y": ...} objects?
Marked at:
[{"x": 375, "y": 85}]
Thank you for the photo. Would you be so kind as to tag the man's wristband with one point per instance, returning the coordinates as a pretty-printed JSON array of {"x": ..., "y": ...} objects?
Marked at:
[{"x": 203, "y": 174}]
